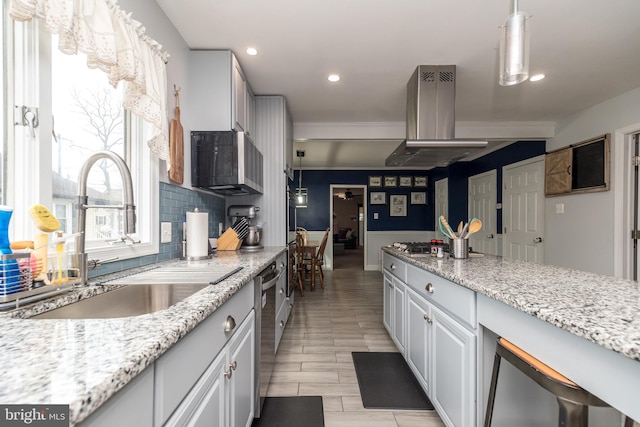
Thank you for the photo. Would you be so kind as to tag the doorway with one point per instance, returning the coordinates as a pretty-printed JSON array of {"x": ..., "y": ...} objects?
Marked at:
[{"x": 348, "y": 203}]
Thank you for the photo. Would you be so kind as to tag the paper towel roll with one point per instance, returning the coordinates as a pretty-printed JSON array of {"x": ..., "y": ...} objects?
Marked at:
[{"x": 197, "y": 234}]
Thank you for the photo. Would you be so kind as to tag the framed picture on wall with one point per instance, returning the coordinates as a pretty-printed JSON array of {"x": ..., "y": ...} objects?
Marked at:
[
  {"x": 390, "y": 181},
  {"x": 378, "y": 197},
  {"x": 419, "y": 181},
  {"x": 397, "y": 205},
  {"x": 406, "y": 181},
  {"x": 418, "y": 198},
  {"x": 375, "y": 181}
]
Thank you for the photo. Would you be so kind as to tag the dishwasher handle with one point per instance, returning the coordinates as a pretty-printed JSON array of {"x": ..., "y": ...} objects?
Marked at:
[{"x": 271, "y": 283}]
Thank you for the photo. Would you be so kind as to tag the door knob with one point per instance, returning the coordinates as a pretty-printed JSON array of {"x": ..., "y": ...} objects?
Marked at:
[
  {"x": 490, "y": 236},
  {"x": 537, "y": 240}
]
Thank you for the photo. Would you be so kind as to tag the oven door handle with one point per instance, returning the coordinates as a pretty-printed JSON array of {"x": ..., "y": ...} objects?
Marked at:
[{"x": 271, "y": 283}]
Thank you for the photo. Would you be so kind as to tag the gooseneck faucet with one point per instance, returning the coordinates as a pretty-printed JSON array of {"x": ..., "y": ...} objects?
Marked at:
[{"x": 82, "y": 206}]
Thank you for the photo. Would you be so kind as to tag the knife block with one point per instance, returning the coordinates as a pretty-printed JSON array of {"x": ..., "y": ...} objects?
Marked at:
[{"x": 229, "y": 241}]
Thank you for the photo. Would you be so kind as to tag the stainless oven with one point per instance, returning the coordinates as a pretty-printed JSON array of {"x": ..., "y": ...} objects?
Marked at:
[{"x": 265, "y": 309}]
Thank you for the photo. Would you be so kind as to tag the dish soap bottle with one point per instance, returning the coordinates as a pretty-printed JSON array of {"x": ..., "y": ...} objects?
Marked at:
[{"x": 9, "y": 269}]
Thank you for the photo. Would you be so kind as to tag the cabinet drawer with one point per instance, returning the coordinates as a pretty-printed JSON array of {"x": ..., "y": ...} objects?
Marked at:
[
  {"x": 455, "y": 299},
  {"x": 395, "y": 266},
  {"x": 181, "y": 366}
]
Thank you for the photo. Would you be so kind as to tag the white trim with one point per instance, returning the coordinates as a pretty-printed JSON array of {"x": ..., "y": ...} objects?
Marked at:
[{"x": 622, "y": 209}]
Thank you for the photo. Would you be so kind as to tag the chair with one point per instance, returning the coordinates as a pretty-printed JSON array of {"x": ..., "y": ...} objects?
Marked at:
[
  {"x": 573, "y": 401},
  {"x": 318, "y": 258},
  {"x": 299, "y": 264}
]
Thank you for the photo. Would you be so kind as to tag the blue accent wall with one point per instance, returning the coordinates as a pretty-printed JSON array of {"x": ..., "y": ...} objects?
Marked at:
[{"x": 419, "y": 217}]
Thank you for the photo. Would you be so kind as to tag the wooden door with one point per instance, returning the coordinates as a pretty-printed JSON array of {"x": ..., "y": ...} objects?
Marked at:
[
  {"x": 523, "y": 210},
  {"x": 482, "y": 205},
  {"x": 558, "y": 172}
]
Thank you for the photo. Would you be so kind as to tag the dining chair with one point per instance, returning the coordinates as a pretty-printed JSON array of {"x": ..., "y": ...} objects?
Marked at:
[
  {"x": 318, "y": 258},
  {"x": 299, "y": 265}
]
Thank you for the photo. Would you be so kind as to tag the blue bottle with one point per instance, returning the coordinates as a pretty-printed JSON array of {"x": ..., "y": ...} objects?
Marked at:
[{"x": 9, "y": 269}]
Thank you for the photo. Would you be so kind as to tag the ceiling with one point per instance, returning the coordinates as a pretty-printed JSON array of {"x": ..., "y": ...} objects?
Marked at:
[{"x": 588, "y": 49}]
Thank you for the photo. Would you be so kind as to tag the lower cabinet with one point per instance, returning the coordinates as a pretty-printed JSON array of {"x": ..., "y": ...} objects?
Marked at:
[{"x": 439, "y": 347}]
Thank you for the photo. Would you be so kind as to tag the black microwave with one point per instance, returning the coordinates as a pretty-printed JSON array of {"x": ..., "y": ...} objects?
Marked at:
[{"x": 226, "y": 162}]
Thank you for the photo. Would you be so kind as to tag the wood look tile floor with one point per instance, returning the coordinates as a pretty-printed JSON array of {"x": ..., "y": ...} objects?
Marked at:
[{"x": 326, "y": 325}]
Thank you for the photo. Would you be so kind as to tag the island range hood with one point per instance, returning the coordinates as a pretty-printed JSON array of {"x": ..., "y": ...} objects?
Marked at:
[{"x": 431, "y": 120}]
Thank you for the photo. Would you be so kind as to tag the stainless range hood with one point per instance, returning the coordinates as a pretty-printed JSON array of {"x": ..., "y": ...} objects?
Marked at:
[{"x": 431, "y": 142}]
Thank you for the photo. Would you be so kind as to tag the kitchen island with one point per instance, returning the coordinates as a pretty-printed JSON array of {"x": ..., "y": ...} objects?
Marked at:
[
  {"x": 587, "y": 326},
  {"x": 83, "y": 363}
]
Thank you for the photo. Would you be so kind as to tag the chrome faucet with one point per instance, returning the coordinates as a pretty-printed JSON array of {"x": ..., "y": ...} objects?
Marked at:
[{"x": 82, "y": 206}]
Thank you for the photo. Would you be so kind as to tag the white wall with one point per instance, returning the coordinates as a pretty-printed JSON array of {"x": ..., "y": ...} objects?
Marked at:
[
  {"x": 162, "y": 30},
  {"x": 582, "y": 237}
]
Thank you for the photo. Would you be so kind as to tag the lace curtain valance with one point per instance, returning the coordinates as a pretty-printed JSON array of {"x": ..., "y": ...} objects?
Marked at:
[{"x": 116, "y": 44}]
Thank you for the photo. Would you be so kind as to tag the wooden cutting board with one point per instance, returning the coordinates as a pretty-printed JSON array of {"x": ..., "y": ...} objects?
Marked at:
[{"x": 176, "y": 147}]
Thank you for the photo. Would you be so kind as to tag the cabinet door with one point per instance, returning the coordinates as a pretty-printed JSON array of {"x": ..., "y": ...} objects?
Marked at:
[
  {"x": 557, "y": 168},
  {"x": 453, "y": 370},
  {"x": 239, "y": 98},
  {"x": 205, "y": 404},
  {"x": 241, "y": 361},
  {"x": 399, "y": 313},
  {"x": 250, "y": 111},
  {"x": 418, "y": 337},
  {"x": 388, "y": 303},
  {"x": 288, "y": 142}
]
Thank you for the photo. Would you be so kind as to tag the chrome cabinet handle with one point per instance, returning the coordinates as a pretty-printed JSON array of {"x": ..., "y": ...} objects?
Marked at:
[
  {"x": 428, "y": 319},
  {"x": 229, "y": 324},
  {"x": 390, "y": 285},
  {"x": 281, "y": 291},
  {"x": 429, "y": 288},
  {"x": 282, "y": 324},
  {"x": 233, "y": 365},
  {"x": 392, "y": 266},
  {"x": 228, "y": 374}
]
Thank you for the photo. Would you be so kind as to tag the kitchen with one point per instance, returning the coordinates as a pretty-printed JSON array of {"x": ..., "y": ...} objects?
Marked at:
[{"x": 564, "y": 233}]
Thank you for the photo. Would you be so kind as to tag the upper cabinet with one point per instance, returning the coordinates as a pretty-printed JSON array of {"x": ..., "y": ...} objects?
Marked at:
[{"x": 220, "y": 95}]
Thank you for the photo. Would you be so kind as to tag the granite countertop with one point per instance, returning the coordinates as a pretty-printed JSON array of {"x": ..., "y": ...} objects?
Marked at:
[
  {"x": 84, "y": 362},
  {"x": 604, "y": 310}
]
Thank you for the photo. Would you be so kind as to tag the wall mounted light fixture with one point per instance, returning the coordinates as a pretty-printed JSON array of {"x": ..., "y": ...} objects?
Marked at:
[{"x": 514, "y": 48}]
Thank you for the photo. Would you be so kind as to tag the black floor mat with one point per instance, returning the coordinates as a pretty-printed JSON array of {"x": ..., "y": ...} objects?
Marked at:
[
  {"x": 291, "y": 411},
  {"x": 386, "y": 382}
]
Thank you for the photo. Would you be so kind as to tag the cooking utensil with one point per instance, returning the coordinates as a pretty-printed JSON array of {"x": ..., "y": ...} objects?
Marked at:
[
  {"x": 461, "y": 234},
  {"x": 443, "y": 230},
  {"x": 460, "y": 228},
  {"x": 474, "y": 226},
  {"x": 176, "y": 144},
  {"x": 447, "y": 227}
]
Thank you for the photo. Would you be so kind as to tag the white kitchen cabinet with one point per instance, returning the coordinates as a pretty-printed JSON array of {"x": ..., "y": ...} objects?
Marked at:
[
  {"x": 453, "y": 373},
  {"x": 399, "y": 313},
  {"x": 250, "y": 112},
  {"x": 433, "y": 323},
  {"x": 218, "y": 91},
  {"x": 418, "y": 345}
]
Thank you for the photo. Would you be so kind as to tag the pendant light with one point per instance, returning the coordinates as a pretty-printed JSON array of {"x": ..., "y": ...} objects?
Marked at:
[
  {"x": 301, "y": 193},
  {"x": 514, "y": 48}
]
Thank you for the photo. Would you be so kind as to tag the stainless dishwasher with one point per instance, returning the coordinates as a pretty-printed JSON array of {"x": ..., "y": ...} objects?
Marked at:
[{"x": 265, "y": 309}]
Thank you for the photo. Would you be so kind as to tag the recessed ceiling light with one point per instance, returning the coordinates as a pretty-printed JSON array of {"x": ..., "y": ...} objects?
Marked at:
[
  {"x": 252, "y": 51},
  {"x": 536, "y": 77},
  {"x": 333, "y": 77}
]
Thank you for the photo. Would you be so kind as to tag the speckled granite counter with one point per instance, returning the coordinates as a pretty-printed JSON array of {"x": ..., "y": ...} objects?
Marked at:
[
  {"x": 84, "y": 362},
  {"x": 601, "y": 309}
]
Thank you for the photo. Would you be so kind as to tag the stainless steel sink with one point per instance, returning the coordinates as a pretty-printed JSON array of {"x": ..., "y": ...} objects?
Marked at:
[{"x": 124, "y": 302}]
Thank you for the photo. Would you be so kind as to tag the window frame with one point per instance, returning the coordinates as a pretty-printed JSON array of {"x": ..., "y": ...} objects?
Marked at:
[{"x": 28, "y": 54}]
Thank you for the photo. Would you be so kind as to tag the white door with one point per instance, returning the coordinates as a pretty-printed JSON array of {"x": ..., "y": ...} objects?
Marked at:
[
  {"x": 523, "y": 210},
  {"x": 482, "y": 205},
  {"x": 442, "y": 204}
]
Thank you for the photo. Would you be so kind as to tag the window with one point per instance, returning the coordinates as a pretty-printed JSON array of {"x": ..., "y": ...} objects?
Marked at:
[{"x": 78, "y": 113}]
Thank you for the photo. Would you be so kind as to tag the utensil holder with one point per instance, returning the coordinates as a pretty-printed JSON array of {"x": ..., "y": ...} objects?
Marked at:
[{"x": 460, "y": 248}]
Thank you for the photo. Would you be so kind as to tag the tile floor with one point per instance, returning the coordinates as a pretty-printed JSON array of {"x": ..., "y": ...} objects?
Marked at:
[{"x": 314, "y": 357}]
